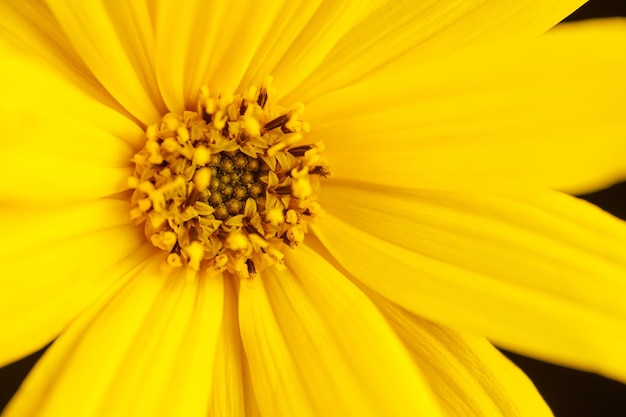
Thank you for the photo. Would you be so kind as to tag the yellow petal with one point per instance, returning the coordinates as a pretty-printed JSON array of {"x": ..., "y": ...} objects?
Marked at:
[
  {"x": 29, "y": 28},
  {"x": 467, "y": 373},
  {"x": 55, "y": 263},
  {"x": 144, "y": 349},
  {"x": 537, "y": 272},
  {"x": 549, "y": 112},
  {"x": 228, "y": 395},
  {"x": 212, "y": 44},
  {"x": 326, "y": 27},
  {"x": 423, "y": 30},
  {"x": 59, "y": 143},
  {"x": 317, "y": 345},
  {"x": 293, "y": 17},
  {"x": 115, "y": 42}
]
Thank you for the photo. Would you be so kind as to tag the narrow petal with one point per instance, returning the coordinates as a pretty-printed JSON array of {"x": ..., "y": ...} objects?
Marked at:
[
  {"x": 59, "y": 143},
  {"x": 537, "y": 272},
  {"x": 467, "y": 373},
  {"x": 145, "y": 349},
  {"x": 414, "y": 32},
  {"x": 213, "y": 44},
  {"x": 30, "y": 29},
  {"x": 549, "y": 112},
  {"x": 229, "y": 396},
  {"x": 56, "y": 264},
  {"x": 115, "y": 42},
  {"x": 308, "y": 47},
  {"x": 318, "y": 346}
]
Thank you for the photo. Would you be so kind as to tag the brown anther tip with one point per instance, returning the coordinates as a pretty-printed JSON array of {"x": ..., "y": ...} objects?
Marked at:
[
  {"x": 193, "y": 233},
  {"x": 262, "y": 99},
  {"x": 277, "y": 122},
  {"x": 192, "y": 197},
  {"x": 243, "y": 107},
  {"x": 251, "y": 268},
  {"x": 284, "y": 190},
  {"x": 299, "y": 150},
  {"x": 320, "y": 170},
  {"x": 206, "y": 116}
]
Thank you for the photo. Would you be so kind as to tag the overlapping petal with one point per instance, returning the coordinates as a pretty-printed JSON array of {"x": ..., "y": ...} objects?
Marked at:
[
  {"x": 537, "y": 272},
  {"x": 45, "y": 288},
  {"x": 29, "y": 28},
  {"x": 146, "y": 348},
  {"x": 60, "y": 144},
  {"x": 311, "y": 339},
  {"x": 314, "y": 341},
  {"x": 466, "y": 372},
  {"x": 45, "y": 282},
  {"x": 115, "y": 41},
  {"x": 214, "y": 42},
  {"x": 232, "y": 393},
  {"x": 400, "y": 32},
  {"x": 548, "y": 112}
]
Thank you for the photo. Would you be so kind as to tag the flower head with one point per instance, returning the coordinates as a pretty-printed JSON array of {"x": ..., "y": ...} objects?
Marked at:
[{"x": 306, "y": 208}]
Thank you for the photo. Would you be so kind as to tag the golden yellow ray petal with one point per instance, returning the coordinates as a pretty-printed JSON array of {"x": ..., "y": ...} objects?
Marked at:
[
  {"x": 31, "y": 228},
  {"x": 548, "y": 112},
  {"x": 413, "y": 32},
  {"x": 469, "y": 376},
  {"x": 228, "y": 397},
  {"x": 308, "y": 48},
  {"x": 29, "y": 28},
  {"x": 114, "y": 41},
  {"x": 45, "y": 286},
  {"x": 537, "y": 272},
  {"x": 291, "y": 20},
  {"x": 212, "y": 45},
  {"x": 276, "y": 380},
  {"x": 147, "y": 349},
  {"x": 318, "y": 346},
  {"x": 60, "y": 143}
]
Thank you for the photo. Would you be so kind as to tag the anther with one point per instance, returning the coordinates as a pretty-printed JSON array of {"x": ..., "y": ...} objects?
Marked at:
[
  {"x": 262, "y": 99},
  {"x": 277, "y": 122},
  {"x": 300, "y": 150}
]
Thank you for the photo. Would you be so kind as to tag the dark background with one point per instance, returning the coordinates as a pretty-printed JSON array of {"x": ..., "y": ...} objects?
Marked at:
[{"x": 570, "y": 393}]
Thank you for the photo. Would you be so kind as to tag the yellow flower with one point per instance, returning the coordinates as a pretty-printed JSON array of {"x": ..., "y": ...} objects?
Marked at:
[{"x": 444, "y": 125}]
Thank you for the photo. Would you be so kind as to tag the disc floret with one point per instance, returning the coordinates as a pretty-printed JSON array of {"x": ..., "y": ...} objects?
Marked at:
[{"x": 229, "y": 186}]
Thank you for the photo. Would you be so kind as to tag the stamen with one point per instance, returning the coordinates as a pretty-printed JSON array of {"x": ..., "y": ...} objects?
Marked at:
[{"x": 222, "y": 188}]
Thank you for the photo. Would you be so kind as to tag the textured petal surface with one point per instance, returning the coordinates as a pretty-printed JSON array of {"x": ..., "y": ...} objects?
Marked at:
[
  {"x": 232, "y": 396},
  {"x": 537, "y": 272},
  {"x": 549, "y": 112},
  {"x": 146, "y": 348},
  {"x": 400, "y": 33},
  {"x": 467, "y": 373},
  {"x": 59, "y": 143},
  {"x": 115, "y": 41},
  {"x": 213, "y": 44},
  {"x": 57, "y": 263},
  {"x": 29, "y": 28},
  {"x": 320, "y": 347}
]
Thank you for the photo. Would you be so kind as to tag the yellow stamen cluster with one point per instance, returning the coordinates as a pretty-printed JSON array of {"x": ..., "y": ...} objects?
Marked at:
[{"x": 229, "y": 186}]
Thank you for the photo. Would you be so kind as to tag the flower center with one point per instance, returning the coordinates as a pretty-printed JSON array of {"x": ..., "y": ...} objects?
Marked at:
[{"x": 227, "y": 187}]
